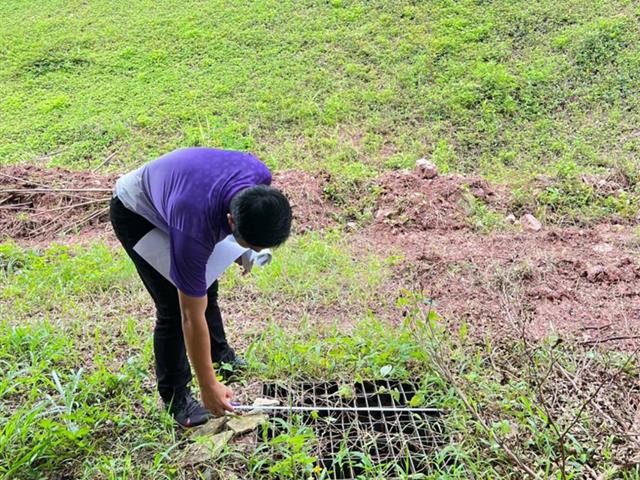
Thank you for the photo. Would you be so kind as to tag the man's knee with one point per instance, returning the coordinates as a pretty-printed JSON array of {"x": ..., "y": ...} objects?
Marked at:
[{"x": 168, "y": 318}]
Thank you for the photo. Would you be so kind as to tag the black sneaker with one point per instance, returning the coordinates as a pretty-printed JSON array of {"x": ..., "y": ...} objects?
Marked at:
[
  {"x": 188, "y": 411},
  {"x": 232, "y": 370}
]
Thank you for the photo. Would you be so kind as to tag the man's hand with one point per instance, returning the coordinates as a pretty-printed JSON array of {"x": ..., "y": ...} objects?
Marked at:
[
  {"x": 216, "y": 398},
  {"x": 241, "y": 263}
]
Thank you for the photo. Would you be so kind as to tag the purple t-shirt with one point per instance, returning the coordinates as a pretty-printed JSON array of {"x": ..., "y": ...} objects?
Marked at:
[{"x": 187, "y": 193}]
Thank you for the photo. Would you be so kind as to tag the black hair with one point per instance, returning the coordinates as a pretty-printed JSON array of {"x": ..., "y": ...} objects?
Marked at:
[{"x": 262, "y": 216}]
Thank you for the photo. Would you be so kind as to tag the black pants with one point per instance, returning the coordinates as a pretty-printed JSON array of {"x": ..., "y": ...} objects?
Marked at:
[{"x": 172, "y": 365}]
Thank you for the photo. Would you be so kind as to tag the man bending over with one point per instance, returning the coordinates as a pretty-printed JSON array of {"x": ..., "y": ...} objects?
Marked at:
[{"x": 197, "y": 196}]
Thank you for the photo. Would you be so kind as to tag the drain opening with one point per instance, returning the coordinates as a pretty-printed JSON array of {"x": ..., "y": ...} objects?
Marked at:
[{"x": 369, "y": 421}]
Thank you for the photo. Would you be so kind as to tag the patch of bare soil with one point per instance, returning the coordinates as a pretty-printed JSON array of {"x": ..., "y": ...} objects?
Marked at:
[
  {"x": 38, "y": 203},
  {"x": 553, "y": 281},
  {"x": 311, "y": 211},
  {"x": 408, "y": 203},
  {"x": 583, "y": 282}
]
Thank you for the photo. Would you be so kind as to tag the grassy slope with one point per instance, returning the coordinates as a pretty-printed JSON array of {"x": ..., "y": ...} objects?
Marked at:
[{"x": 497, "y": 87}]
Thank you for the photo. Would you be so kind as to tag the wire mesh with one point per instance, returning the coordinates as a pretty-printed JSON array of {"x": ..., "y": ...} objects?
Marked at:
[{"x": 384, "y": 432}]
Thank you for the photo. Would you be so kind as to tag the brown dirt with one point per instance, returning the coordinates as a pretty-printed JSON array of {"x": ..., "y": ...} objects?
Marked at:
[
  {"x": 408, "y": 203},
  {"x": 555, "y": 281},
  {"x": 38, "y": 214},
  {"x": 580, "y": 282},
  {"x": 42, "y": 216},
  {"x": 305, "y": 191}
]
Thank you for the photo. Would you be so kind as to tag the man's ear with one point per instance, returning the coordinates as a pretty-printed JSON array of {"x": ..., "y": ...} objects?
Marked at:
[{"x": 232, "y": 222}]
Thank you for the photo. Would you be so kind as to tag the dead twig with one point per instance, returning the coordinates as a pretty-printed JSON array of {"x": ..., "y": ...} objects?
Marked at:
[
  {"x": 105, "y": 162},
  {"x": 542, "y": 398},
  {"x": 609, "y": 339},
  {"x": 602, "y": 384},
  {"x": 15, "y": 206},
  {"x": 84, "y": 220},
  {"x": 571, "y": 380},
  {"x": 538, "y": 384},
  {"x": 53, "y": 190},
  {"x": 23, "y": 180},
  {"x": 45, "y": 228},
  {"x": 73, "y": 205},
  {"x": 49, "y": 156},
  {"x": 601, "y": 327}
]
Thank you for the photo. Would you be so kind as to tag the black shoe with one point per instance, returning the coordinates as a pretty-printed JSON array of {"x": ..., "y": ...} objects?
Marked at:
[
  {"x": 232, "y": 370},
  {"x": 188, "y": 411}
]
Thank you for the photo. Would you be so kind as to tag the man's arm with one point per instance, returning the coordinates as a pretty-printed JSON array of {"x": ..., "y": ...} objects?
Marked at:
[{"x": 215, "y": 396}]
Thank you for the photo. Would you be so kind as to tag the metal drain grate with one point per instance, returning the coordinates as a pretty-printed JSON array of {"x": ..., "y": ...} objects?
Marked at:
[{"x": 367, "y": 421}]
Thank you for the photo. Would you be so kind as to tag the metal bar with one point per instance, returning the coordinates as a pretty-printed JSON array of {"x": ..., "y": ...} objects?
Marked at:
[
  {"x": 291, "y": 408},
  {"x": 399, "y": 437},
  {"x": 394, "y": 435}
]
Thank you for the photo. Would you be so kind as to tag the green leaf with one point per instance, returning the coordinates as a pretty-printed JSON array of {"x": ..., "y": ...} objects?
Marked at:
[{"x": 417, "y": 400}]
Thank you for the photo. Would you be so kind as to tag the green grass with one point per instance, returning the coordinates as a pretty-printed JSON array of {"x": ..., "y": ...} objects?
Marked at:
[
  {"x": 319, "y": 269},
  {"x": 505, "y": 88},
  {"x": 77, "y": 394},
  {"x": 54, "y": 280}
]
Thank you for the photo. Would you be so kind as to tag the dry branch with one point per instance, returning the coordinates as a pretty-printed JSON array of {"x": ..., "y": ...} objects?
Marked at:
[
  {"x": 440, "y": 364},
  {"x": 54, "y": 190},
  {"x": 49, "y": 209}
]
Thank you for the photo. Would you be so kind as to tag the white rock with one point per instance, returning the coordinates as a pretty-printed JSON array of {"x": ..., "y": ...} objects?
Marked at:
[
  {"x": 511, "y": 218},
  {"x": 426, "y": 168},
  {"x": 603, "y": 248},
  {"x": 266, "y": 402},
  {"x": 530, "y": 223}
]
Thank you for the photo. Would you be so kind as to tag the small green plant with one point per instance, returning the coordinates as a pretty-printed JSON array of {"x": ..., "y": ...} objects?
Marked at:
[
  {"x": 481, "y": 217},
  {"x": 287, "y": 455}
]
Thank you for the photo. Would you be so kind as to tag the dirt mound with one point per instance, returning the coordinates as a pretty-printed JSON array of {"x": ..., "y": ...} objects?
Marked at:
[
  {"x": 38, "y": 203},
  {"x": 408, "y": 202}
]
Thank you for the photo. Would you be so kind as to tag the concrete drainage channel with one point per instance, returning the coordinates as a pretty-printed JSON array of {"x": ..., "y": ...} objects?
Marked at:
[{"x": 373, "y": 420}]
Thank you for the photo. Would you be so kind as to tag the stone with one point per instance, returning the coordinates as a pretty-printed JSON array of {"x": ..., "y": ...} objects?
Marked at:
[
  {"x": 603, "y": 248},
  {"x": 211, "y": 428},
  {"x": 596, "y": 273},
  {"x": 384, "y": 213},
  {"x": 530, "y": 223},
  {"x": 246, "y": 423},
  {"x": 426, "y": 168},
  {"x": 511, "y": 218},
  {"x": 265, "y": 402},
  {"x": 206, "y": 449}
]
